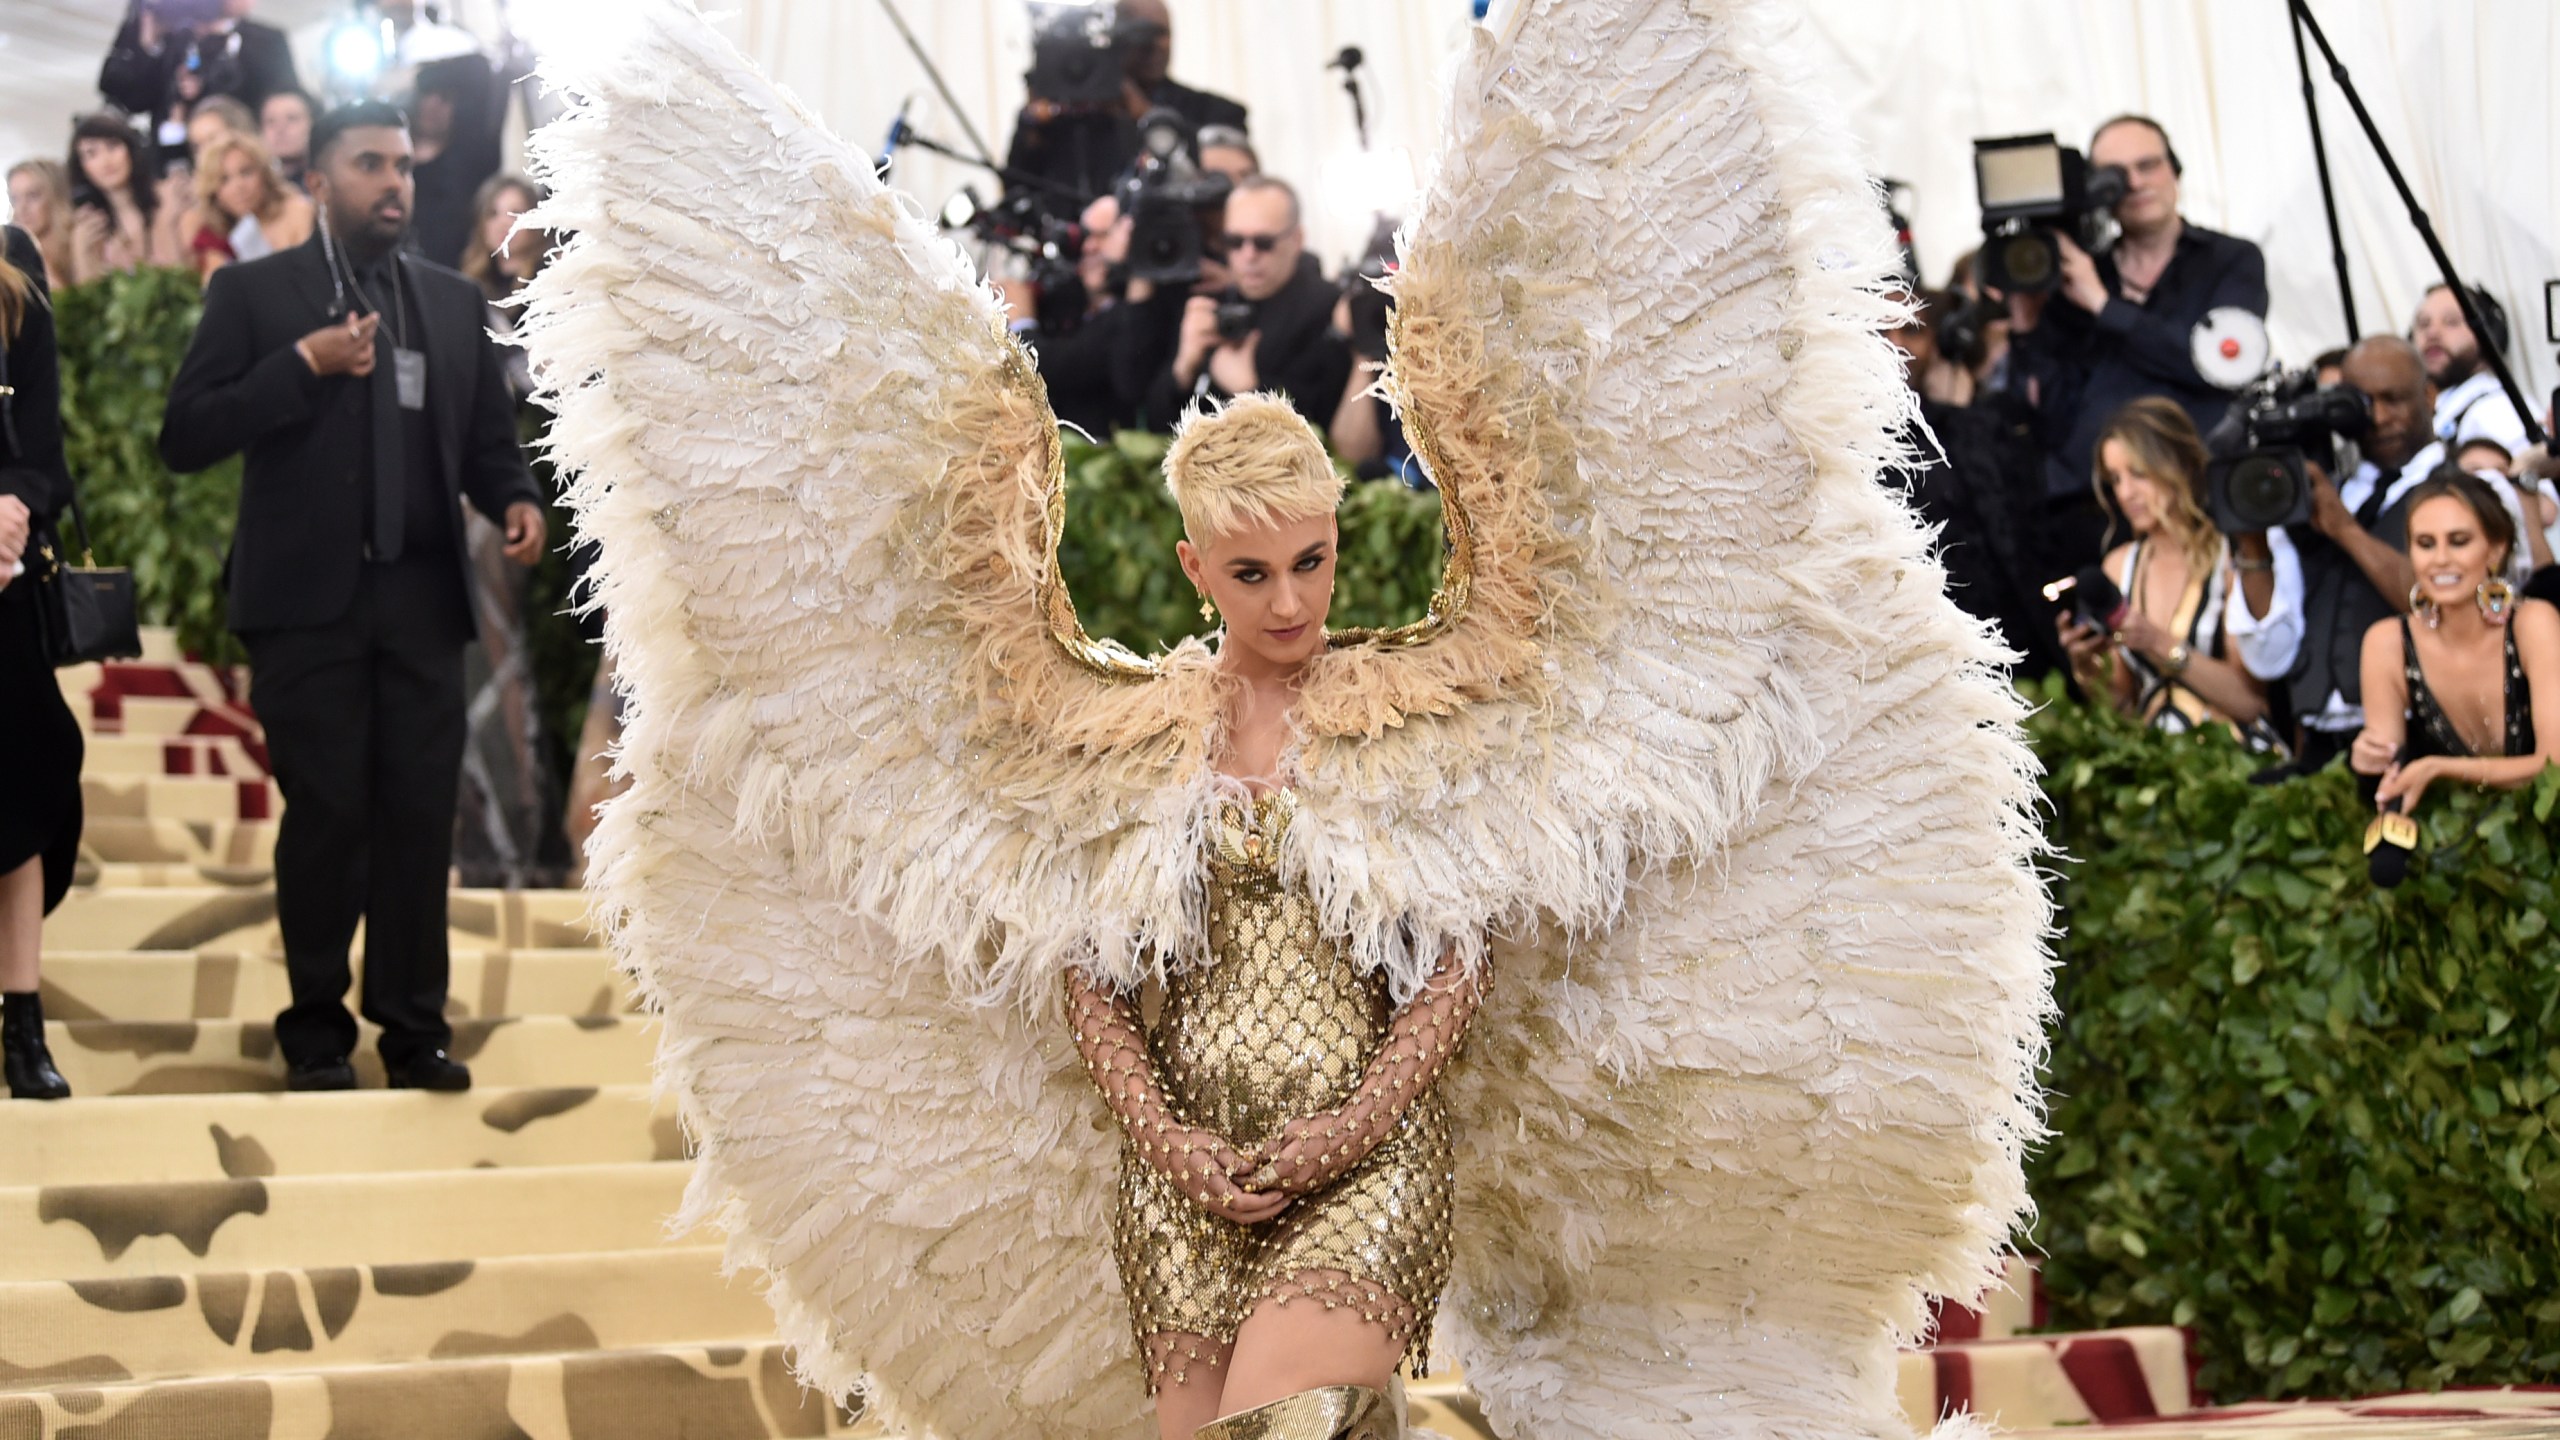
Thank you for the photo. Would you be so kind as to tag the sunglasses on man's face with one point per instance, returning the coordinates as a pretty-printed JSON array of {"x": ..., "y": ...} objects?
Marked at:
[{"x": 1263, "y": 243}]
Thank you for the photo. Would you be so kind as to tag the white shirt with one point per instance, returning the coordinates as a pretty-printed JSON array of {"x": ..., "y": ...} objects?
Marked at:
[
  {"x": 2478, "y": 409},
  {"x": 2269, "y": 644}
]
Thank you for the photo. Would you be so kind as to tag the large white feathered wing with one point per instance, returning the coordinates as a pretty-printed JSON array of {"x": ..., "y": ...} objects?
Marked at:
[
  {"x": 783, "y": 394},
  {"x": 1759, "y": 1083}
]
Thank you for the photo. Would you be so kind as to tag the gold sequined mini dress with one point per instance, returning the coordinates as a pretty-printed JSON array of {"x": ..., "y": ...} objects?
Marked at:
[{"x": 1280, "y": 1024}]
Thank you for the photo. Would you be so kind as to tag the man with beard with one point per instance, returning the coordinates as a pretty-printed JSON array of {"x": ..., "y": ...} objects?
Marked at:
[
  {"x": 2473, "y": 414},
  {"x": 370, "y": 402}
]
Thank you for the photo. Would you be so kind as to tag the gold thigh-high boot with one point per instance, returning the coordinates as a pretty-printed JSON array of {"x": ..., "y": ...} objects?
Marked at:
[{"x": 1336, "y": 1412}]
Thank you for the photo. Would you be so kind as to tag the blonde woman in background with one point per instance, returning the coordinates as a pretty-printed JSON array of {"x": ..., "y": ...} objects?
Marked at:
[
  {"x": 40, "y": 204},
  {"x": 2170, "y": 662},
  {"x": 243, "y": 209}
]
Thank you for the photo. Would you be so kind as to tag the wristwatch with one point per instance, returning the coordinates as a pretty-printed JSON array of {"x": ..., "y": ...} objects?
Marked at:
[{"x": 2176, "y": 663}]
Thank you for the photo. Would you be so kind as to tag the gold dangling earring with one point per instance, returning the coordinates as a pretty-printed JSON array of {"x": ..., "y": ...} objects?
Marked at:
[
  {"x": 2419, "y": 604},
  {"x": 1208, "y": 612},
  {"x": 2496, "y": 599}
]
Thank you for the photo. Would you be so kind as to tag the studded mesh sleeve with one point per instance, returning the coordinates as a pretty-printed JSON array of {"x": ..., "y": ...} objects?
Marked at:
[
  {"x": 1109, "y": 1035},
  {"x": 1420, "y": 1043}
]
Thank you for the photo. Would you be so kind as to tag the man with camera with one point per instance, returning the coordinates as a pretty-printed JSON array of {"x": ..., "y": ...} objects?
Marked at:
[
  {"x": 2118, "y": 326},
  {"x": 1079, "y": 132},
  {"x": 2352, "y": 550},
  {"x": 169, "y": 54},
  {"x": 1272, "y": 330}
]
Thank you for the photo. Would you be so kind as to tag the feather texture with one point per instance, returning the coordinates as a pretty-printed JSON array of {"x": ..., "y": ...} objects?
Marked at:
[{"x": 1709, "y": 765}]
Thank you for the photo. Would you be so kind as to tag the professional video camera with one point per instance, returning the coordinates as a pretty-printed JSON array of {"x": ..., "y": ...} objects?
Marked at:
[
  {"x": 1045, "y": 245},
  {"x": 2033, "y": 188},
  {"x": 1079, "y": 52},
  {"x": 1164, "y": 197},
  {"x": 2277, "y": 428}
]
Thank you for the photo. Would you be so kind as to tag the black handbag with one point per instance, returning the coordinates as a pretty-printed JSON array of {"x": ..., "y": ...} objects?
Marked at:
[{"x": 86, "y": 609}]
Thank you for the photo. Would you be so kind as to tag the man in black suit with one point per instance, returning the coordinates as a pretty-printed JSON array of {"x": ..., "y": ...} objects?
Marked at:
[{"x": 370, "y": 401}]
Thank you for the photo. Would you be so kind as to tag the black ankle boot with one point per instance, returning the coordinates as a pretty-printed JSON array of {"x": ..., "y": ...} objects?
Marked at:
[{"x": 30, "y": 1065}]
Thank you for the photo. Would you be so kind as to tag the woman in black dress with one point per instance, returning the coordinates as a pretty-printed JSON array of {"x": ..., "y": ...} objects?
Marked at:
[
  {"x": 40, "y": 742},
  {"x": 2466, "y": 687}
]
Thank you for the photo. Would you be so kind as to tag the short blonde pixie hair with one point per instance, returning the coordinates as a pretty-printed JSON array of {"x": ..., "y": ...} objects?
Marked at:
[{"x": 1252, "y": 461}]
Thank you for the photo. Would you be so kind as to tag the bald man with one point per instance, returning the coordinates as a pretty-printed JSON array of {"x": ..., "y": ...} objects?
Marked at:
[
  {"x": 2353, "y": 552},
  {"x": 1082, "y": 151}
]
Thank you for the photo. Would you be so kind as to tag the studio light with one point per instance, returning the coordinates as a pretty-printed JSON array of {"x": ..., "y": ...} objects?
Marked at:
[
  {"x": 1364, "y": 183},
  {"x": 582, "y": 33},
  {"x": 355, "y": 48}
]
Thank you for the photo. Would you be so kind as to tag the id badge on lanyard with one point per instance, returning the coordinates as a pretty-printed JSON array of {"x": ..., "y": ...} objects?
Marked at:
[{"x": 409, "y": 371}]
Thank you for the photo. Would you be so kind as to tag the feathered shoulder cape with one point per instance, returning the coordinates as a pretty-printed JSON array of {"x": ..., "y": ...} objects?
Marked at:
[{"x": 1691, "y": 743}]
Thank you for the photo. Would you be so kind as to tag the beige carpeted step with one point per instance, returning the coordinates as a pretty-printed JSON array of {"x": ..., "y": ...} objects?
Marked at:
[
  {"x": 167, "y": 875},
  {"x": 157, "y": 715},
  {"x": 171, "y": 985},
  {"x": 740, "y": 1391},
  {"x": 113, "y": 1057},
  {"x": 101, "y": 1140},
  {"x": 169, "y": 755},
  {"x": 2047, "y": 1380},
  {"x": 234, "y": 845},
  {"x": 55, "y": 1332},
  {"x": 175, "y": 797},
  {"x": 82, "y": 1232},
  {"x": 243, "y": 919}
]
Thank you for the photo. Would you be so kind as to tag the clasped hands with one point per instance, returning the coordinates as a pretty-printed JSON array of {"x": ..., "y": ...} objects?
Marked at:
[
  {"x": 2405, "y": 781},
  {"x": 1252, "y": 1184}
]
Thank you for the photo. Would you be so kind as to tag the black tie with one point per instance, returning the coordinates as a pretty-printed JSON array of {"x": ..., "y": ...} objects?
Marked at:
[
  {"x": 389, "y": 480},
  {"x": 2371, "y": 510}
]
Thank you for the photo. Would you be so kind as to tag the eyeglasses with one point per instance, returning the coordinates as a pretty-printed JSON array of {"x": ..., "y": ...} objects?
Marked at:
[{"x": 1265, "y": 244}]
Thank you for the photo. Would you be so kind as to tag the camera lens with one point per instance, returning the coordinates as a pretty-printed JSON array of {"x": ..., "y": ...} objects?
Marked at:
[
  {"x": 2029, "y": 261},
  {"x": 2262, "y": 491}
]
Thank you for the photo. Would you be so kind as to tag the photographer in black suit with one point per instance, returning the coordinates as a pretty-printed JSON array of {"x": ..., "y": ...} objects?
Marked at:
[
  {"x": 169, "y": 54},
  {"x": 1271, "y": 330},
  {"x": 1080, "y": 150},
  {"x": 369, "y": 401}
]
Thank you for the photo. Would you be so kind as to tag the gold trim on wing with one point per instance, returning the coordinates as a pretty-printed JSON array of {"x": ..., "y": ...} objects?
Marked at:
[{"x": 1110, "y": 660}]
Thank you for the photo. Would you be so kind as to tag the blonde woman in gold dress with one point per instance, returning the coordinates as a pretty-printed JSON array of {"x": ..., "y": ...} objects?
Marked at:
[
  {"x": 1283, "y": 1222},
  {"x": 1066, "y": 1030}
]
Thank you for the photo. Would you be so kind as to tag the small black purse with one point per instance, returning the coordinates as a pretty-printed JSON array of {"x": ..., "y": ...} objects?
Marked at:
[{"x": 86, "y": 609}]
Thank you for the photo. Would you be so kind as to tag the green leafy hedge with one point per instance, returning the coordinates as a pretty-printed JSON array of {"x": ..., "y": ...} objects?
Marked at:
[
  {"x": 2309, "y": 1118},
  {"x": 1118, "y": 558},
  {"x": 122, "y": 338}
]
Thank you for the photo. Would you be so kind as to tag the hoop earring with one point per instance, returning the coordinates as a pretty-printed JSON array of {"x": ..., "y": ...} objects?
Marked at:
[
  {"x": 2496, "y": 599},
  {"x": 2419, "y": 604}
]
